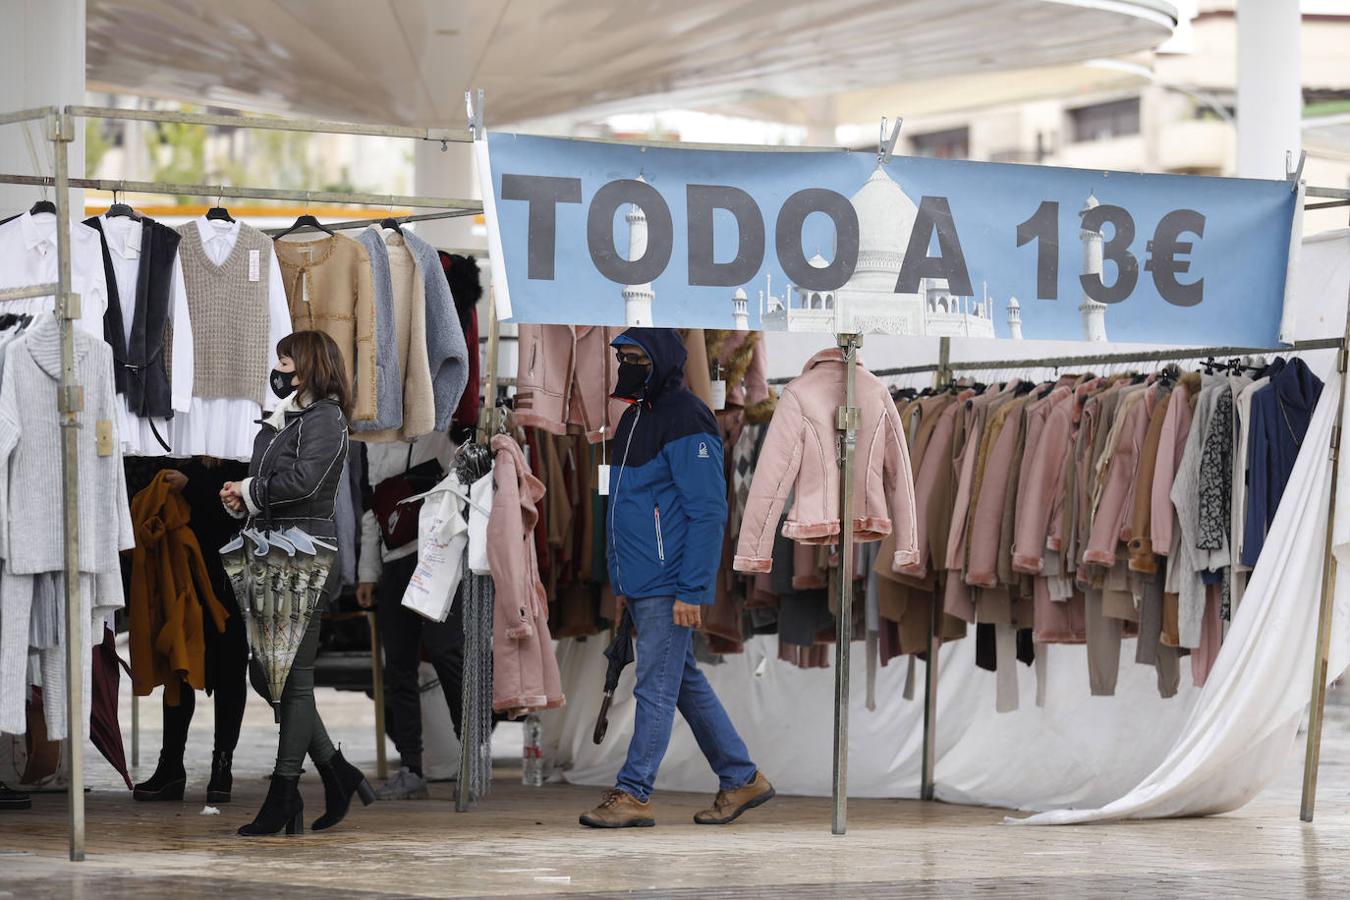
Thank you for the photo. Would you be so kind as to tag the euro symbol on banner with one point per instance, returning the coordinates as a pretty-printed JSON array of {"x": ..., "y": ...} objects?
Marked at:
[{"x": 1163, "y": 251}]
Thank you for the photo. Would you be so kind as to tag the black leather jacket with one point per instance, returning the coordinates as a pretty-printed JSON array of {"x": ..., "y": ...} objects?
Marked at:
[{"x": 295, "y": 472}]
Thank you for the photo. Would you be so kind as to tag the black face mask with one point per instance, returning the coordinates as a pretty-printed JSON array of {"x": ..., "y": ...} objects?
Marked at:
[
  {"x": 281, "y": 383},
  {"x": 632, "y": 381}
]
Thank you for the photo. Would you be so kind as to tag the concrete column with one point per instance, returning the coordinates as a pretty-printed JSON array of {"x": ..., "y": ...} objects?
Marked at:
[
  {"x": 41, "y": 64},
  {"x": 1270, "y": 86},
  {"x": 447, "y": 173}
]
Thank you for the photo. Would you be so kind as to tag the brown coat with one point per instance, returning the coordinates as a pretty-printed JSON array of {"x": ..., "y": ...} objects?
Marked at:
[
  {"x": 329, "y": 288},
  {"x": 170, "y": 587}
]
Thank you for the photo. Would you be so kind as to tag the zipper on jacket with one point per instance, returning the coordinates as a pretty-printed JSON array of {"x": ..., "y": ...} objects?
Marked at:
[
  {"x": 534, "y": 356},
  {"x": 614, "y": 500},
  {"x": 660, "y": 544}
]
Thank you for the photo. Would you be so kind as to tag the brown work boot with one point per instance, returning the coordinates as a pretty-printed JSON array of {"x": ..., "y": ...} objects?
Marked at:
[
  {"x": 619, "y": 809},
  {"x": 729, "y": 805}
]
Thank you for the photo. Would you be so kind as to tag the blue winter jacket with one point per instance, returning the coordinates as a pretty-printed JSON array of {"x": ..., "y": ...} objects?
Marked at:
[{"x": 667, "y": 490}]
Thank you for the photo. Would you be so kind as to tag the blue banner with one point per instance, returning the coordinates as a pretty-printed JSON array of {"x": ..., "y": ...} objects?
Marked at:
[{"x": 609, "y": 234}]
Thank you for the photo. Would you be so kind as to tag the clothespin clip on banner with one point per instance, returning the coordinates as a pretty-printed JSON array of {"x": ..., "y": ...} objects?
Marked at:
[
  {"x": 886, "y": 143},
  {"x": 474, "y": 111}
]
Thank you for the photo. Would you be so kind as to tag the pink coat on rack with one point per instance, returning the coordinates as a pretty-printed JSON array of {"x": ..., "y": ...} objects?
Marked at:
[
  {"x": 525, "y": 674},
  {"x": 798, "y": 457}
]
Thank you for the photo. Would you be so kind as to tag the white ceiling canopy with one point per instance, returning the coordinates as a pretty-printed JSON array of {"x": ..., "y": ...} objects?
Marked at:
[{"x": 410, "y": 61}]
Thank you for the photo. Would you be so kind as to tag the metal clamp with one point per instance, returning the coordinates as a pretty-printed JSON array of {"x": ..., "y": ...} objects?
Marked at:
[
  {"x": 69, "y": 306},
  {"x": 848, "y": 418}
]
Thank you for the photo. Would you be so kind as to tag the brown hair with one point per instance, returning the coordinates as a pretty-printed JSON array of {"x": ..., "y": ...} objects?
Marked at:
[{"x": 319, "y": 365}]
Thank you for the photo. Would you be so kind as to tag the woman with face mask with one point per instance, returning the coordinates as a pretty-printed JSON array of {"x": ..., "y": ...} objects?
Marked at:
[{"x": 293, "y": 482}]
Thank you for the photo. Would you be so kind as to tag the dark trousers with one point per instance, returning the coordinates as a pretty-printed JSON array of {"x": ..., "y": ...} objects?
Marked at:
[{"x": 403, "y": 633}]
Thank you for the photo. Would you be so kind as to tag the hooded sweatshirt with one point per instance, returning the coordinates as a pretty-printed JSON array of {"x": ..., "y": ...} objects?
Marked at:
[{"x": 667, "y": 492}]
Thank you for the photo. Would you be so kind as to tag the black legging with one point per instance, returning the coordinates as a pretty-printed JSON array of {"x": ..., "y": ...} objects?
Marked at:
[{"x": 402, "y": 634}]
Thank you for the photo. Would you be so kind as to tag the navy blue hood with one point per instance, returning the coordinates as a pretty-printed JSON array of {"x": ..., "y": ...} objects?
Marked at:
[{"x": 667, "y": 353}]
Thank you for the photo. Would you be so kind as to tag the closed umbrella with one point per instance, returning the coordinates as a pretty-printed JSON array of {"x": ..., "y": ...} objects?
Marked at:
[
  {"x": 620, "y": 654},
  {"x": 278, "y": 580}
]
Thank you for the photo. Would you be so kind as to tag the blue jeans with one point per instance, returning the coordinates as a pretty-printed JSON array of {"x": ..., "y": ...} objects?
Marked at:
[{"x": 668, "y": 678}]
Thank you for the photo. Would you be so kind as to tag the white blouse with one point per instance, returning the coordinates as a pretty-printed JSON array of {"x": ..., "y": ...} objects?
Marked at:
[
  {"x": 124, "y": 248},
  {"x": 28, "y": 257},
  {"x": 225, "y": 427}
]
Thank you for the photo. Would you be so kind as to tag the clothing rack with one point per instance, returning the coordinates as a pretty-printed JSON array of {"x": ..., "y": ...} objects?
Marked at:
[
  {"x": 60, "y": 130},
  {"x": 362, "y": 223},
  {"x": 945, "y": 371}
]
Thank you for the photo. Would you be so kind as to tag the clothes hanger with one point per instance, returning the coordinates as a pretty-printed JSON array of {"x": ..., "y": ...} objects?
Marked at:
[
  {"x": 303, "y": 220},
  {"x": 119, "y": 209},
  {"x": 42, "y": 206},
  {"x": 218, "y": 212},
  {"x": 390, "y": 222}
]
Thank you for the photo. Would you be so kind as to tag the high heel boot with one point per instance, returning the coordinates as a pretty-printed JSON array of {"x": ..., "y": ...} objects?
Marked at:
[
  {"x": 341, "y": 780},
  {"x": 222, "y": 781},
  {"x": 168, "y": 781},
  {"x": 283, "y": 809}
]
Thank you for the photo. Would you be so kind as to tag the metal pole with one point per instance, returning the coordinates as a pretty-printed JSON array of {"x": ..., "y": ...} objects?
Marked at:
[
  {"x": 26, "y": 293},
  {"x": 847, "y": 423},
  {"x": 490, "y": 370},
  {"x": 70, "y": 402},
  {"x": 930, "y": 685},
  {"x": 248, "y": 193},
  {"x": 1317, "y": 705},
  {"x": 444, "y": 135},
  {"x": 377, "y": 687}
]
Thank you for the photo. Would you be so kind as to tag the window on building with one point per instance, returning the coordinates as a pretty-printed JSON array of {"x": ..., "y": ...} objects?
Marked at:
[
  {"x": 953, "y": 143},
  {"x": 1103, "y": 121}
]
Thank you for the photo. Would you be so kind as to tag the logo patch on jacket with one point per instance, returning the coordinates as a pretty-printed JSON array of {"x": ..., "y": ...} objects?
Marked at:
[{"x": 703, "y": 450}]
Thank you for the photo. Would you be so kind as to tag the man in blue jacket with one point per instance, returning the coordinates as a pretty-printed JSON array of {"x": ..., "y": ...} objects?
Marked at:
[{"x": 666, "y": 520}]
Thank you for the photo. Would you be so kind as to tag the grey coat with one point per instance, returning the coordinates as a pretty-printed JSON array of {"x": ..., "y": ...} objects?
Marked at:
[{"x": 447, "y": 352}]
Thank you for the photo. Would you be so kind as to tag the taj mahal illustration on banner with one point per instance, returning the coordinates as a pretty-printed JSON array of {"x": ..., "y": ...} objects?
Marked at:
[{"x": 867, "y": 302}]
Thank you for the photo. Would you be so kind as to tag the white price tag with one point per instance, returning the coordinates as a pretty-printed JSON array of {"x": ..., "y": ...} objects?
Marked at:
[
  {"x": 602, "y": 480},
  {"x": 254, "y": 265}
]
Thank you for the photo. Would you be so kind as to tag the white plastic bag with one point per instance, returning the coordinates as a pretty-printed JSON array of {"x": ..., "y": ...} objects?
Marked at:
[
  {"x": 480, "y": 508},
  {"x": 442, "y": 536}
]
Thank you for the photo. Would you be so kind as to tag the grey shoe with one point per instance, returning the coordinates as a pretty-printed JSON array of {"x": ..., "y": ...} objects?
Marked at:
[{"x": 406, "y": 785}]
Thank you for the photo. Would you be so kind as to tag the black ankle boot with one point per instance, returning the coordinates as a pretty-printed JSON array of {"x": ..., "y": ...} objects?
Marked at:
[
  {"x": 341, "y": 780},
  {"x": 283, "y": 808},
  {"x": 218, "y": 791},
  {"x": 168, "y": 781}
]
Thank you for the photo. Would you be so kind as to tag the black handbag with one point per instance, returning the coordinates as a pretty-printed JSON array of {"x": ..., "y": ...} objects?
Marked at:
[{"x": 398, "y": 520}]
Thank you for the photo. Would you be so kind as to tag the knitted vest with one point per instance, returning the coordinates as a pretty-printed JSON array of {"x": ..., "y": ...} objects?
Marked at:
[{"x": 229, "y": 315}]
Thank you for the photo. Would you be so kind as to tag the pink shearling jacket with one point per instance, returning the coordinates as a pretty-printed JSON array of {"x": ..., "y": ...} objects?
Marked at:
[
  {"x": 525, "y": 675},
  {"x": 800, "y": 452},
  {"x": 564, "y": 376}
]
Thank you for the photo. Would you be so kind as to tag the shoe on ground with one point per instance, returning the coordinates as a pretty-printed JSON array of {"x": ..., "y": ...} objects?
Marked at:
[
  {"x": 11, "y": 799},
  {"x": 405, "y": 785},
  {"x": 168, "y": 782},
  {"x": 222, "y": 778},
  {"x": 619, "y": 809},
  {"x": 729, "y": 805}
]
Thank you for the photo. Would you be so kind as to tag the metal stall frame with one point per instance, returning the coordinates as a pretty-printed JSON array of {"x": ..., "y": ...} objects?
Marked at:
[{"x": 60, "y": 126}]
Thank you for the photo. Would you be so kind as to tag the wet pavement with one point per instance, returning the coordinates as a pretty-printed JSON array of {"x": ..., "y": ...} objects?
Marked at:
[{"x": 525, "y": 841}]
